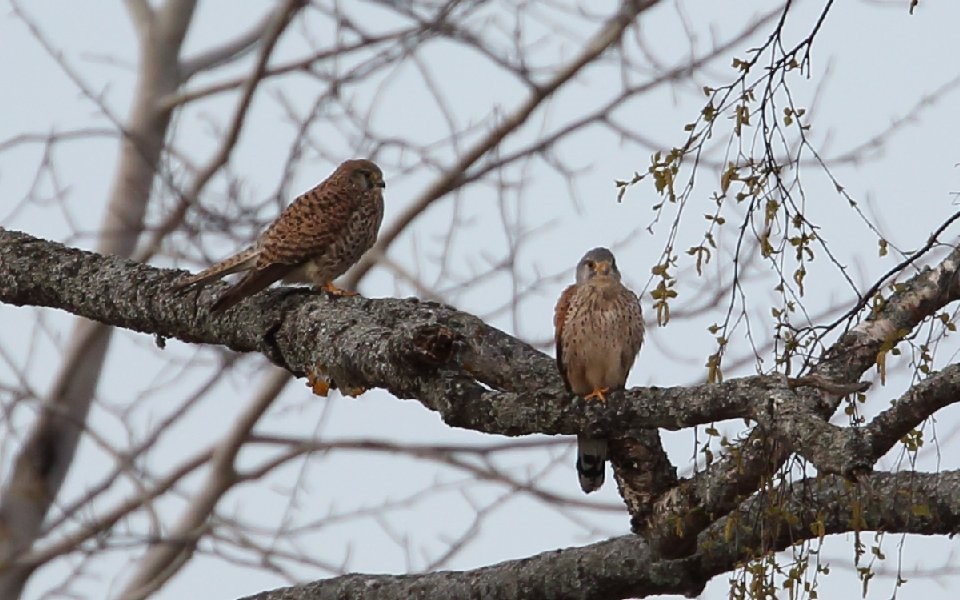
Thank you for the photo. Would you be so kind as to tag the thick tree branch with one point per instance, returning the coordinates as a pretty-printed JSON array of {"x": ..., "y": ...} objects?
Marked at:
[
  {"x": 627, "y": 567},
  {"x": 609, "y": 34},
  {"x": 414, "y": 349},
  {"x": 852, "y": 451},
  {"x": 449, "y": 361},
  {"x": 911, "y": 409},
  {"x": 718, "y": 490},
  {"x": 907, "y": 502},
  {"x": 442, "y": 357},
  {"x": 799, "y": 428}
]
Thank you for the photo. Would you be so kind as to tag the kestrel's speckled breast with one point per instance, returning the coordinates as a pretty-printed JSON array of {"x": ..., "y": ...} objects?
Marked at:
[
  {"x": 358, "y": 236},
  {"x": 602, "y": 334}
]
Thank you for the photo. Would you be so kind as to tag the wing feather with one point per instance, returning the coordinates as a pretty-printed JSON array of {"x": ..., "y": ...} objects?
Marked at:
[
  {"x": 255, "y": 280},
  {"x": 633, "y": 317},
  {"x": 559, "y": 321},
  {"x": 311, "y": 223},
  {"x": 238, "y": 262}
]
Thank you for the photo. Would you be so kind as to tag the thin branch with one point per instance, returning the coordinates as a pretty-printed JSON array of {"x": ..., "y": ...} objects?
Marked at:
[
  {"x": 609, "y": 35},
  {"x": 281, "y": 19},
  {"x": 162, "y": 561},
  {"x": 229, "y": 51}
]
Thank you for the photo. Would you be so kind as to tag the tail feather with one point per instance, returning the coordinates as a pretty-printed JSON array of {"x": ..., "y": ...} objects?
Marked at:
[
  {"x": 254, "y": 281},
  {"x": 591, "y": 459},
  {"x": 242, "y": 261}
]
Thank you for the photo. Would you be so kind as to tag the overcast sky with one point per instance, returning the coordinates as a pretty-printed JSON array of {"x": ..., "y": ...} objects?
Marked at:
[{"x": 873, "y": 66}]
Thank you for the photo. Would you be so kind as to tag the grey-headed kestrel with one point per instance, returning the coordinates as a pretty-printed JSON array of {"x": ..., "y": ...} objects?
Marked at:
[
  {"x": 320, "y": 235},
  {"x": 599, "y": 330}
]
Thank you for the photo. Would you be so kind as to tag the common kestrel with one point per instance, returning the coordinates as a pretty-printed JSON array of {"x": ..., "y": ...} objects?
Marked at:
[
  {"x": 320, "y": 235},
  {"x": 599, "y": 330}
]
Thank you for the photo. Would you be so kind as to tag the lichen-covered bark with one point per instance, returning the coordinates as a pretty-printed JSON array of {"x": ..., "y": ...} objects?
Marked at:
[
  {"x": 481, "y": 378},
  {"x": 696, "y": 503},
  {"x": 388, "y": 343},
  {"x": 627, "y": 567}
]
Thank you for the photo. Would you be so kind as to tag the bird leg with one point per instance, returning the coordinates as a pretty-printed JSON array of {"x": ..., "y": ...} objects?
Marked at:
[
  {"x": 318, "y": 381},
  {"x": 333, "y": 290},
  {"x": 597, "y": 394}
]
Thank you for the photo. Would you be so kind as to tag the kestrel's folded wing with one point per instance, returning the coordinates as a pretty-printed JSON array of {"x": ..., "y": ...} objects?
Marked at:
[
  {"x": 634, "y": 330},
  {"x": 312, "y": 223},
  {"x": 559, "y": 320}
]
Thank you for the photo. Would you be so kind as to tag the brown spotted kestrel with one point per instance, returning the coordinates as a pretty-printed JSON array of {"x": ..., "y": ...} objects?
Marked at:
[
  {"x": 320, "y": 235},
  {"x": 599, "y": 330}
]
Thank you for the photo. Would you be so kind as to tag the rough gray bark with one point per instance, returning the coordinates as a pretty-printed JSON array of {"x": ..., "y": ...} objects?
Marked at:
[
  {"x": 453, "y": 351},
  {"x": 448, "y": 360},
  {"x": 420, "y": 350},
  {"x": 441, "y": 356},
  {"x": 797, "y": 422},
  {"x": 627, "y": 566}
]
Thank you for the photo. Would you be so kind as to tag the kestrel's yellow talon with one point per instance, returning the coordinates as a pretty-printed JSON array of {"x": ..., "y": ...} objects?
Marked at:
[
  {"x": 597, "y": 394},
  {"x": 335, "y": 291},
  {"x": 318, "y": 382}
]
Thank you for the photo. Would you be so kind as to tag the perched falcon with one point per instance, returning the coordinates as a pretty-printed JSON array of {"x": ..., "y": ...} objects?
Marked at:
[
  {"x": 320, "y": 235},
  {"x": 599, "y": 330}
]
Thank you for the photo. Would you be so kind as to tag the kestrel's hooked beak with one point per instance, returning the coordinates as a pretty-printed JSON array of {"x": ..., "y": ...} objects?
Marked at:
[
  {"x": 380, "y": 183},
  {"x": 601, "y": 267}
]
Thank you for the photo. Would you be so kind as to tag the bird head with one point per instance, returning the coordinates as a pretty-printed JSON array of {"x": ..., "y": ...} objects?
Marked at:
[
  {"x": 364, "y": 174},
  {"x": 597, "y": 265}
]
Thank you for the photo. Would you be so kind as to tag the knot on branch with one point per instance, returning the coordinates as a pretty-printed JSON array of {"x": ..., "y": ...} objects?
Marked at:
[{"x": 432, "y": 346}]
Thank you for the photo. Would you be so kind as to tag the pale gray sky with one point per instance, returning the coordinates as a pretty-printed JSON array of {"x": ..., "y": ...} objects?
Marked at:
[{"x": 872, "y": 66}]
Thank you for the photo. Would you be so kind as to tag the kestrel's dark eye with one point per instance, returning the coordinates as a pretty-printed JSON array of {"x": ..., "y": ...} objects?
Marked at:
[{"x": 591, "y": 265}]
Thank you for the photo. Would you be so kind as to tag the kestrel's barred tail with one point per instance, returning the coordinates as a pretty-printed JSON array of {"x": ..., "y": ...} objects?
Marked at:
[
  {"x": 591, "y": 459},
  {"x": 320, "y": 234}
]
